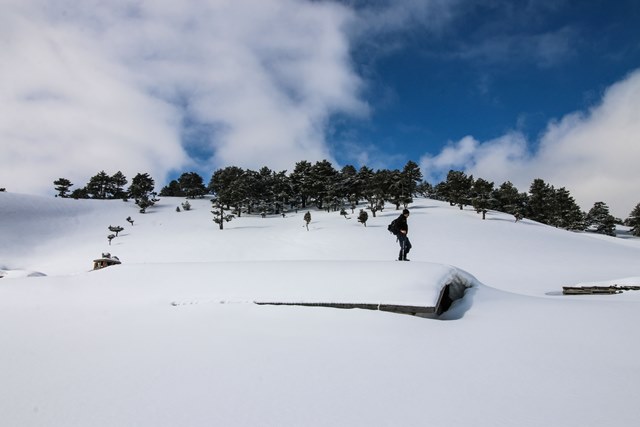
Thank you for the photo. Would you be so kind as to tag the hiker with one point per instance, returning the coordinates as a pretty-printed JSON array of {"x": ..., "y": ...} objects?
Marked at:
[
  {"x": 307, "y": 219},
  {"x": 403, "y": 240}
]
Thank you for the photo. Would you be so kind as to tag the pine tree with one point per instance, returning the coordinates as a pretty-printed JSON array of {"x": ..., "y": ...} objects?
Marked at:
[
  {"x": 395, "y": 188},
  {"x": 219, "y": 215},
  {"x": 441, "y": 192},
  {"x": 231, "y": 187},
  {"x": 172, "y": 189},
  {"x": 566, "y": 212},
  {"x": 411, "y": 177},
  {"x": 634, "y": 220},
  {"x": 115, "y": 229},
  {"x": 192, "y": 185},
  {"x": 323, "y": 177},
  {"x": 600, "y": 220},
  {"x": 425, "y": 189},
  {"x": 62, "y": 187},
  {"x": 347, "y": 189},
  {"x": 364, "y": 181},
  {"x": 118, "y": 181},
  {"x": 253, "y": 183},
  {"x": 376, "y": 190},
  {"x": 301, "y": 182},
  {"x": 509, "y": 200},
  {"x": 539, "y": 207},
  {"x": 458, "y": 188},
  {"x": 80, "y": 193},
  {"x": 363, "y": 217},
  {"x": 100, "y": 186},
  {"x": 281, "y": 190},
  {"x": 141, "y": 190},
  {"x": 263, "y": 190},
  {"x": 482, "y": 199}
]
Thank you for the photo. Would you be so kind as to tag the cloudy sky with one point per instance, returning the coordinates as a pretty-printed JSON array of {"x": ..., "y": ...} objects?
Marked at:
[{"x": 502, "y": 89}]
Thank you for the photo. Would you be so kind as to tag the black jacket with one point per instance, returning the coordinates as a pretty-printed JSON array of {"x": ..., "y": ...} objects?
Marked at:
[{"x": 402, "y": 223}]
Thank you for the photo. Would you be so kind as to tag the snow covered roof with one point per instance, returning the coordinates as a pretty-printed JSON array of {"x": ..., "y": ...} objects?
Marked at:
[{"x": 416, "y": 286}]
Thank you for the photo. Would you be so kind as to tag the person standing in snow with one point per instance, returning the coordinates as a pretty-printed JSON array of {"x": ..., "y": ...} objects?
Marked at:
[
  {"x": 307, "y": 219},
  {"x": 403, "y": 239}
]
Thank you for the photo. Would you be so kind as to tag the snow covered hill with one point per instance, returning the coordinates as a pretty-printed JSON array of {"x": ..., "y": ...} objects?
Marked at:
[{"x": 172, "y": 337}]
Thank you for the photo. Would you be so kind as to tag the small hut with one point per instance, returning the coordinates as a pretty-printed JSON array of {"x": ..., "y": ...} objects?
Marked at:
[{"x": 105, "y": 261}]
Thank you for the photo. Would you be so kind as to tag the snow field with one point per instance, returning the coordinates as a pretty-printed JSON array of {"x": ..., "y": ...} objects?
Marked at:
[{"x": 171, "y": 337}]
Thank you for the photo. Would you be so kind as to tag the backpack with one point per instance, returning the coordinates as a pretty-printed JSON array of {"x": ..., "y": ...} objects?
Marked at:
[{"x": 393, "y": 227}]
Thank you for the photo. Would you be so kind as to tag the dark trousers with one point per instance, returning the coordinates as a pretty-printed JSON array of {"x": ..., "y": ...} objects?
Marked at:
[{"x": 405, "y": 246}]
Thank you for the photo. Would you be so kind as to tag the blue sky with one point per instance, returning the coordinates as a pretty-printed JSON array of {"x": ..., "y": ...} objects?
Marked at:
[
  {"x": 504, "y": 90},
  {"x": 495, "y": 67}
]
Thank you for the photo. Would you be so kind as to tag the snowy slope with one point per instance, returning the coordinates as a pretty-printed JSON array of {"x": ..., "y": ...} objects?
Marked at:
[{"x": 171, "y": 337}]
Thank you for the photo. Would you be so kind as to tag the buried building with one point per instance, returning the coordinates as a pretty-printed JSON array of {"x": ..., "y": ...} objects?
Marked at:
[{"x": 105, "y": 261}]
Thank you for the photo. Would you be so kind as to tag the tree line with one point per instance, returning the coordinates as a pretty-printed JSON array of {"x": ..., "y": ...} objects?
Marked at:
[
  {"x": 104, "y": 186},
  {"x": 543, "y": 203},
  {"x": 236, "y": 191}
]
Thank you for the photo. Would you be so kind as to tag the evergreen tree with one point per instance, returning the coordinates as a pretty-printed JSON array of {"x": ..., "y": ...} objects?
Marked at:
[
  {"x": 262, "y": 190},
  {"x": 301, "y": 183},
  {"x": 118, "y": 181},
  {"x": 141, "y": 190},
  {"x": 230, "y": 185},
  {"x": 366, "y": 183},
  {"x": 566, "y": 212},
  {"x": 425, "y": 189},
  {"x": 192, "y": 185},
  {"x": 347, "y": 188},
  {"x": 376, "y": 189},
  {"x": 363, "y": 217},
  {"x": 458, "y": 188},
  {"x": 394, "y": 187},
  {"x": 600, "y": 220},
  {"x": 253, "y": 190},
  {"x": 115, "y": 229},
  {"x": 323, "y": 178},
  {"x": 281, "y": 191},
  {"x": 62, "y": 187},
  {"x": 634, "y": 221},
  {"x": 100, "y": 186},
  {"x": 540, "y": 207},
  {"x": 411, "y": 178},
  {"x": 219, "y": 214},
  {"x": 441, "y": 192},
  {"x": 80, "y": 193},
  {"x": 509, "y": 200},
  {"x": 172, "y": 189},
  {"x": 482, "y": 199}
]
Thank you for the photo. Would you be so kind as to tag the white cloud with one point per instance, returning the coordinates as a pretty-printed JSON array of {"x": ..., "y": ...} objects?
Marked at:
[
  {"x": 594, "y": 154},
  {"x": 386, "y": 16},
  {"x": 108, "y": 85},
  {"x": 545, "y": 49}
]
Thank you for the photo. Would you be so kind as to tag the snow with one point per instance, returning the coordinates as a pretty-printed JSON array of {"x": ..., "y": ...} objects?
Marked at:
[{"x": 172, "y": 336}]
